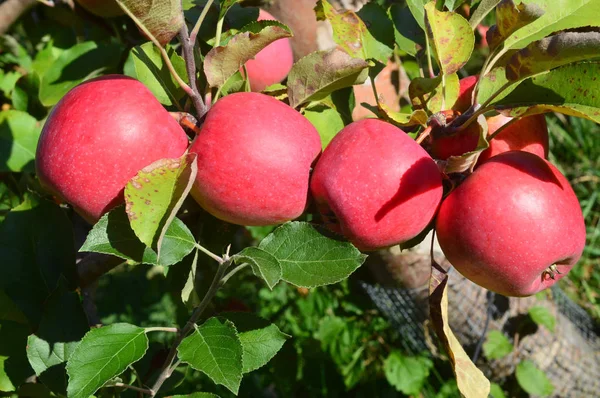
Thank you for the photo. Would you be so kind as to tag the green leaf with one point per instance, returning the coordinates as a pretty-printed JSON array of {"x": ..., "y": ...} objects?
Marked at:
[
  {"x": 215, "y": 349},
  {"x": 552, "y": 52},
  {"x": 483, "y": 9},
  {"x": 146, "y": 65},
  {"x": 155, "y": 194},
  {"x": 36, "y": 248},
  {"x": 8, "y": 81},
  {"x": 104, "y": 353},
  {"x": 542, "y": 316},
  {"x": 112, "y": 234},
  {"x": 309, "y": 258},
  {"x": 451, "y": 37},
  {"x": 327, "y": 121},
  {"x": 19, "y": 134},
  {"x": 417, "y": 117},
  {"x": 533, "y": 380},
  {"x": 496, "y": 391},
  {"x": 558, "y": 15},
  {"x": 14, "y": 367},
  {"x": 429, "y": 95},
  {"x": 225, "y": 6},
  {"x": 223, "y": 61},
  {"x": 163, "y": 19},
  {"x": 189, "y": 296},
  {"x": 571, "y": 89},
  {"x": 417, "y": 8},
  {"x": 263, "y": 264},
  {"x": 81, "y": 62},
  {"x": 470, "y": 380},
  {"x": 9, "y": 310},
  {"x": 453, "y": 4},
  {"x": 261, "y": 340},
  {"x": 407, "y": 374},
  {"x": 319, "y": 74},
  {"x": 409, "y": 36},
  {"x": 196, "y": 395},
  {"x": 497, "y": 345},
  {"x": 350, "y": 31}
]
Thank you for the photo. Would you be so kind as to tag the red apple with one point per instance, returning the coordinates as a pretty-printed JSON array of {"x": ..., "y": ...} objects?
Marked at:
[
  {"x": 375, "y": 185},
  {"x": 272, "y": 64},
  {"x": 98, "y": 136},
  {"x": 529, "y": 134},
  {"x": 514, "y": 226},
  {"x": 465, "y": 94},
  {"x": 254, "y": 158},
  {"x": 102, "y": 8}
]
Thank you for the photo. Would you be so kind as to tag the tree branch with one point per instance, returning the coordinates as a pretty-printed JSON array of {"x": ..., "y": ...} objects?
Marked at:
[
  {"x": 11, "y": 10},
  {"x": 190, "y": 64}
]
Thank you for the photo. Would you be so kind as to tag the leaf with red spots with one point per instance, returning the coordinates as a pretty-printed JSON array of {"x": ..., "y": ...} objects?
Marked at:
[
  {"x": 319, "y": 74},
  {"x": 434, "y": 95},
  {"x": 451, "y": 38},
  {"x": 162, "y": 19},
  {"x": 155, "y": 194},
  {"x": 471, "y": 381},
  {"x": 551, "y": 52},
  {"x": 572, "y": 89},
  {"x": 511, "y": 17},
  {"x": 223, "y": 61}
]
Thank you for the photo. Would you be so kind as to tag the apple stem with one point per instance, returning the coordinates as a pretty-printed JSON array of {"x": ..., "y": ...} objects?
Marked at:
[
  {"x": 196, "y": 29},
  {"x": 424, "y": 134}
]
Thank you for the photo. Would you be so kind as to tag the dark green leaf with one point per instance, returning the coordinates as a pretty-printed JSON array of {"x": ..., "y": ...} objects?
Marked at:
[
  {"x": 215, "y": 349},
  {"x": 542, "y": 316},
  {"x": 222, "y": 62},
  {"x": 407, "y": 374},
  {"x": 309, "y": 258},
  {"x": 81, "y": 62},
  {"x": 260, "y": 339},
  {"x": 19, "y": 134},
  {"x": 417, "y": 8},
  {"x": 497, "y": 345},
  {"x": 112, "y": 234},
  {"x": 14, "y": 367},
  {"x": 196, "y": 395},
  {"x": 36, "y": 248},
  {"x": 321, "y": 73},
  {"x": 533, "y": 380},
  {"x": 451, "y": 38},
  {"x": 225, "y": 6},
  {"x": 263, "y": 264},
  {"x": 155, "y": 194},
  {"x": 104, "y": 353},
  {"x": 409, "y": 36},
  {"x": 146, "y": 65}
]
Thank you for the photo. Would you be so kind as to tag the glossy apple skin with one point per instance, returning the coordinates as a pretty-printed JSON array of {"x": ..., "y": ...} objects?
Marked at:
[
  {"x": 376, "y": 185},
  {"x": 467, "y": 85},
  {"x": 254, "y": 159},
  {"x": 509, "y": 221},
  {"x": 272, "y": 64},
  {"x": 102, "y": 8},
  {"x": 98, "y": 136},
  {"x": 529, "y": 134}
]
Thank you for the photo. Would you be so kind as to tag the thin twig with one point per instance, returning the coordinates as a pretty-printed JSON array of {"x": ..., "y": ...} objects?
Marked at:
[
  {"x": 190, "y": 64},
  {"x": 161, "y": 329},
  {"x": 196, "y": 29},
  {"x": 210, "y": 254},
  {"x": 190, "y": 325}
]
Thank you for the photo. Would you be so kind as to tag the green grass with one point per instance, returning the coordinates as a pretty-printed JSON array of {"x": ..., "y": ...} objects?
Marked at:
[{"x": 575, "y": 150}]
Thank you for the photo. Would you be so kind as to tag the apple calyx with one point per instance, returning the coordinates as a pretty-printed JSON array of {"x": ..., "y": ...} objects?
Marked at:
[{"x": 550, "y": 272}]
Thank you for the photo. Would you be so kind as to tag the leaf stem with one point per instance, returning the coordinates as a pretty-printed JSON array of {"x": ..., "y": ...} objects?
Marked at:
[
  {"x": 190, "y": 64},
  {"x": 233, "y": 272},
  {"x": 196, "y": 29},
  {"x": 210, "y": 254},
  {"x": 219, "y": 30},
  {"x": 161, "y": 329},
  {"x": 215, "y": 285},
  {"x": 129, "y": 387}
]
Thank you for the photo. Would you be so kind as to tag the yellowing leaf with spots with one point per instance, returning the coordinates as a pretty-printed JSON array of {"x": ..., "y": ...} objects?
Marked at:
[
  {"x": 450, "y": 37},
  {"x": 155, "y": 194}
]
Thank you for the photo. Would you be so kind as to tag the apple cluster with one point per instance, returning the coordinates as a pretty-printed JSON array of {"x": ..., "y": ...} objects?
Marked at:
[{"x": 513, "y": 226}]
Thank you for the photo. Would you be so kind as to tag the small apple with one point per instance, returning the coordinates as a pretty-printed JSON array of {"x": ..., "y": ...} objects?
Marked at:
[
  {"x": 514, "y": 226},
  {"x": 529, "y": 134},
  {"x": 254, "y": 158},
  {"x": 272, "y": 64},
  {"x": 98, "y": 136},
  {"x": 375, "y": 185},
  {"x": 465, "y": 93},
  {"x": 102, "y": 8}
]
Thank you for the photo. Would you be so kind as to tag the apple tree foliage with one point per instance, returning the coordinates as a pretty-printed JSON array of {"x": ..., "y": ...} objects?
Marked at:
[{"x": 543, "y": 57}]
